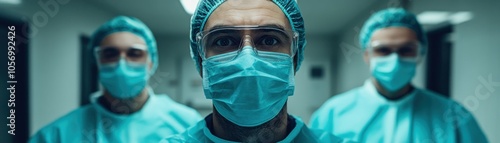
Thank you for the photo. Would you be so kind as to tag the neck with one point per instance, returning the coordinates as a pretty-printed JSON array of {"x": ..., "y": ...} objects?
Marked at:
[
  {"x": 394, "y": 95},
  {"x": 272, "y": 131},
  {"x": 124, "y": 106}
]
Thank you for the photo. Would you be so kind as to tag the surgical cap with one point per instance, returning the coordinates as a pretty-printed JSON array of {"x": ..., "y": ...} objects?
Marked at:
[
  {"x": 127, "y": 24},
  {"x": 206, "y": 7},
  {"x": 391, "y": 17}
]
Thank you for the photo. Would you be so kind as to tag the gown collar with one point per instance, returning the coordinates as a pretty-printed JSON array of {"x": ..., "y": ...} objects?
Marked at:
[
  {"x": 373, "y": 95},
  {"x": 293, "y": 122},
  {"x": 140, "y": 114}
]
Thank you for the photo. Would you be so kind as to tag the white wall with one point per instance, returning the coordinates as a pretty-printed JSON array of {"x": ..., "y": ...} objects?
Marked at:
[
  {"x": 184, "y": 84},
  {"x": 171, "y": 49},
  {"x": 55, "y": 55},
  {"x": 311, "y": 93},
  {"x": 475, "y": 56}
]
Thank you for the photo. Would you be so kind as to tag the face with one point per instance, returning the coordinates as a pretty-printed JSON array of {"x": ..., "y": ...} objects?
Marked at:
[
  {"x": 400, "y": 40},
  {"x": 123, "y": 44},
  {"x": 243, "y": 13}
]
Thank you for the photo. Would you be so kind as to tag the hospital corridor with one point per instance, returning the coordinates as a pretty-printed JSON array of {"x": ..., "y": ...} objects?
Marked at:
[{"x": 389, "y": 71}]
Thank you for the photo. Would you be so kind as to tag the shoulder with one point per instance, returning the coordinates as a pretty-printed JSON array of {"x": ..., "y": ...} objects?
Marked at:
[
  {"x": 438, "y": 102},
  {"x": 174, "y": 113},
  {"x": 176, "y": 109},
  {"x": 433, "y": 96},
  {"x": 340, "y": 102},
  {"x": 72, "y": 117},
  {"x": 453, "y": 113},
  {"x": 193, "y": 134},
  {"x": 323, "y": 136},
  {"x": 64, "y": 124}
]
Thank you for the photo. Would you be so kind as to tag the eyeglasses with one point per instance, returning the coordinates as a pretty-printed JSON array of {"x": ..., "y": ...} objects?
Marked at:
[
  {"x": 111, "y": 54},
  {"x": 404, "y": 50},
  {"x": 261, "y": 38}
]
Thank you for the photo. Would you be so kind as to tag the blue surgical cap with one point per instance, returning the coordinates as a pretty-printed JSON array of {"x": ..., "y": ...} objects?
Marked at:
[
  {"x": 127, "y": 24},
  {"x": 206, "y": 7},
  {"x": 391, "y": 17}
]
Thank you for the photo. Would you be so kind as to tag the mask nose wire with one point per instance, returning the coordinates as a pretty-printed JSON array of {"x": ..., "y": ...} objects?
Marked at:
[{"x": 247, "y": 44}]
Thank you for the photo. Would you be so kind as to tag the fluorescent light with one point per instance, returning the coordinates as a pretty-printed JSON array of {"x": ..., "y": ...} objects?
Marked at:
[
  {"x": 433, "y": 17},
  {"x": 189, "y": 5},
  {"x": 16, "y": 2},
  {"x": 460, "y": 17},
  {"x": 437, "y": 17}
]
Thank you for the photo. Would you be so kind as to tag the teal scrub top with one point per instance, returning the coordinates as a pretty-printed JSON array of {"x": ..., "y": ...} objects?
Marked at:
[
  {"x": 200, "y": 133},
  {"x": 363, "y": 115},
  {"x": 159, "y": 117}
]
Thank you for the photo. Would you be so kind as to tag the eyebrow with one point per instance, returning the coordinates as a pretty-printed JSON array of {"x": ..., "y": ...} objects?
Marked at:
[{"x": 266, "y": 25}]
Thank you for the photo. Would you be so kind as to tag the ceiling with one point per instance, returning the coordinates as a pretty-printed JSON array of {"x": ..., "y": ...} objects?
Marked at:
[{"x": 169, "y": 18}]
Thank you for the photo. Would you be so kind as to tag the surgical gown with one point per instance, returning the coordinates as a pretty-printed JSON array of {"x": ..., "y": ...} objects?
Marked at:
[
  {"x": 299, "y": 134},
  {"x": 159, "y": 117},
  {"x": 363, "y": 115}
]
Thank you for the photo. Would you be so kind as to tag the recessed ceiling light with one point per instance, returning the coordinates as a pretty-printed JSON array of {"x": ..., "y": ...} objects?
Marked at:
[
  {"x": 16, "y": 2},
  {"x": 433, "y": 17},
  {"x": 460, "y": 17},
  {"x": 189, "y": 5}
]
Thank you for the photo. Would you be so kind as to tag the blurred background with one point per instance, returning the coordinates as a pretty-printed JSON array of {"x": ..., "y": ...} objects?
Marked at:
[{"x": 56, "y": 74}]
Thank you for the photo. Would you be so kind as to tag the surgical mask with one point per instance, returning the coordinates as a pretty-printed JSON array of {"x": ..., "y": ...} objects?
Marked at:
[
  {"x": 392, "y": 71},
  {"x": 124, "y": 79},
  {"x": 251, "y": 88}
]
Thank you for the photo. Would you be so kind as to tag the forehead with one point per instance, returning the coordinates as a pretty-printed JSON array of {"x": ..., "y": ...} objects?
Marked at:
[
  {"x": 394, "y": 35},
  {"x": 121, "y": 39},
  {"x": 247, "y": 12}
]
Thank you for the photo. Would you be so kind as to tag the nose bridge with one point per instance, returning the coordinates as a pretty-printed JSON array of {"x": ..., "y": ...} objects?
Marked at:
[
  {"x": 123, "y": 54},
  {"x": 395, "y": 56},
  {"x": 247, "y": 38},
  {"x": 247, "y": 45}
]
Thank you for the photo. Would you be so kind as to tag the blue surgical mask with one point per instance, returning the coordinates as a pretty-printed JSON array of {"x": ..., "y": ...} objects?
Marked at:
[
  {"x": 123, "y": 79},
  {"x": 392, "y": 71},
  {"x": 250, "y": 89}
]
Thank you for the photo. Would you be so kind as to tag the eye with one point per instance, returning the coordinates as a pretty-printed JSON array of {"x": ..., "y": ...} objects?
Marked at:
[
  {"x": 110, "y": 53},
  {"x": 269, "y": 41},
  {"x": 407, "y": 51},
  {"x": 383, "y": 51},
  {"x": 135, "y": 53},
  {"x": 224, "y": 42}
]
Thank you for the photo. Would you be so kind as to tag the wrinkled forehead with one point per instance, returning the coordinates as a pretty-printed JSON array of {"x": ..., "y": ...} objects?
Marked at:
[
  {"x": 247, "y": 12},
  {"x": 394, "y": 35},
  {"x": 122, "y": 39}
]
